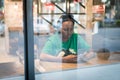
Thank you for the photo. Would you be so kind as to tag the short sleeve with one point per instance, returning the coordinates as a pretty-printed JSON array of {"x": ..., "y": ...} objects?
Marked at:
[
  {"x": 82, "y": 44},
  {"x": 48, "y": 47},
  {"x": 52, "y": 46}
]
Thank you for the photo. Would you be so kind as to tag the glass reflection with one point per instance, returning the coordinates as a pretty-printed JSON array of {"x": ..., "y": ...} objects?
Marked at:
[
  {"x": 11, "y": 42},
  {"x": 100, "y": 37}
]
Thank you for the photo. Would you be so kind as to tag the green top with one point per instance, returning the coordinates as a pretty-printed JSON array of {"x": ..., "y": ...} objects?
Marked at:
[
  {"x": 54, "y": 44},
  {"x": 71, "y": 44}
]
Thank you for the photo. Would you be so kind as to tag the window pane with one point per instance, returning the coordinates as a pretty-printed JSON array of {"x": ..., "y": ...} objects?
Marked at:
[
  {"x": 99, "y": 34},
  {"x": 106, "y": 31},
  {"x": 97, "y": 44},
  {"x": 11, "y": 39}
]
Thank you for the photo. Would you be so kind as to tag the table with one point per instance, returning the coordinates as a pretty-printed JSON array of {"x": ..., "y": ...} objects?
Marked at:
[
  {"x": 56, "y": 66},
  {"x": 107, "y": 72},
  {"x": 17, "y": 69},
  {"x": 11, "y": 69}
]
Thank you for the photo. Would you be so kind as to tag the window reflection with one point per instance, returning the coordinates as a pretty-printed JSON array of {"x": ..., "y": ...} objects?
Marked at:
[
  {"x": 104, "y": 35},
  {"x": 100, "y": 39},
  {"x": 11, "y": 42}
]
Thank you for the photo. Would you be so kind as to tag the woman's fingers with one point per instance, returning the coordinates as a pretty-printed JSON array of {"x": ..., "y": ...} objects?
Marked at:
[{"x": 70, "y": 58}]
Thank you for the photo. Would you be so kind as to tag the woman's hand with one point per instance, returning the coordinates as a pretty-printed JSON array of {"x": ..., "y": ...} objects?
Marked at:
[
  {"x": 70, "y": 59},
  {"x": 87, "y": 56},
  {"x": 66, "y": 59}
]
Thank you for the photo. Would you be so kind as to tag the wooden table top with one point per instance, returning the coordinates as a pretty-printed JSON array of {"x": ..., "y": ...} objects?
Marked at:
[
  {"x": 11, "y": 69},
  {"x": 16, "y": 68},
  {"x": 56, "y": 66}
]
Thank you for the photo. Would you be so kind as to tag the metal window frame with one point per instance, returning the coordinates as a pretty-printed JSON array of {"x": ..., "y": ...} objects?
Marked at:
[{"x": 28, "y": 40}]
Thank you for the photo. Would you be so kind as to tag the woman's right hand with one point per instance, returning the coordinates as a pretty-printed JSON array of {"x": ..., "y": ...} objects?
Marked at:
[{"x": 70, "y": 59}]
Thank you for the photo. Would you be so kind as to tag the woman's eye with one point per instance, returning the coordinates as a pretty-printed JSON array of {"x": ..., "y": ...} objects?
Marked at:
[{"x": 65, "y": 29}]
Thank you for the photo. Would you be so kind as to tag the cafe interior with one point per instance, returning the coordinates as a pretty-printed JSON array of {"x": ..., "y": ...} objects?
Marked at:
[{"x": 26, "y": 26}]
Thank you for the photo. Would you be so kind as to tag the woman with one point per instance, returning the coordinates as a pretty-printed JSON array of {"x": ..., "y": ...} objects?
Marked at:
[{"x": 66, "y": 41}]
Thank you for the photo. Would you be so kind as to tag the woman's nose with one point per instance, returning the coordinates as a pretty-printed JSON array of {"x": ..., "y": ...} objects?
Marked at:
[{"x": 69, "y": 32}]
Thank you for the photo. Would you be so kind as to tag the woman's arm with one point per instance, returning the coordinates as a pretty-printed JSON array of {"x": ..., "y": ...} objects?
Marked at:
[{"x": 66, "y": 59}]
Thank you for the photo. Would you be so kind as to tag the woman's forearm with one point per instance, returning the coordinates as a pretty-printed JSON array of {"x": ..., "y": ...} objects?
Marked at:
[
  {"x": 66, "y": 59},
  {"x": 47, "y": 57}
]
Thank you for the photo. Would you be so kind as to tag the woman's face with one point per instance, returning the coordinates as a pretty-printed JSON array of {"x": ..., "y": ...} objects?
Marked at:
[{"x": 67, "y": 30}]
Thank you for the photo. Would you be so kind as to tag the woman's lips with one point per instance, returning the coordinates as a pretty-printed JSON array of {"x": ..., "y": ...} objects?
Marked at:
[{"x": 65, "y": 38}]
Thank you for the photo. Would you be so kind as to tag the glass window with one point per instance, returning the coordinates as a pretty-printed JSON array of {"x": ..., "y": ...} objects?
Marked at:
[
  {"x": 87, "y": 34},
  {"x": 99, "y": 37},
  {"x": 11, "y": 39}
]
